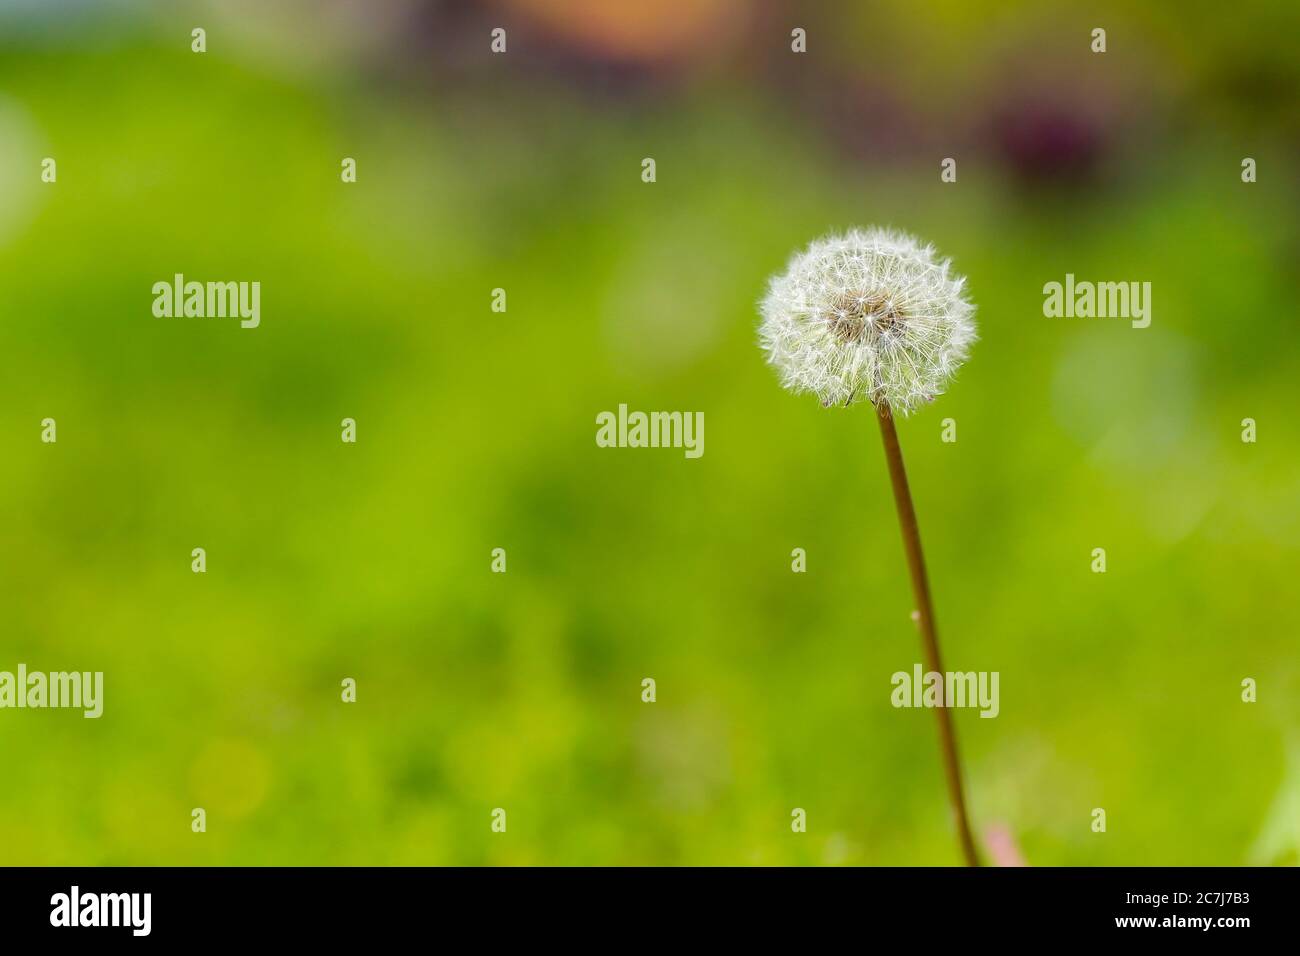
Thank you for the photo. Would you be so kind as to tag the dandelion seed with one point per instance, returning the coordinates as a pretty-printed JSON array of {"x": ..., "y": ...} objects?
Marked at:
[{"x": 870, "y": 315}]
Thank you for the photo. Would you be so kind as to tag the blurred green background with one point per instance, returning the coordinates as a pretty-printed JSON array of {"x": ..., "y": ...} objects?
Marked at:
[{"x": 476, "y": 431}]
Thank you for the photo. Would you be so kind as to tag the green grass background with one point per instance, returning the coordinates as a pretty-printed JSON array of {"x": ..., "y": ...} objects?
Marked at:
[{"x": 476, "y": 431}]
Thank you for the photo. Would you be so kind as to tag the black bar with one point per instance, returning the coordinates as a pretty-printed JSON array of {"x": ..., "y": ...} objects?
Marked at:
[{"x": 332, "y": 906}]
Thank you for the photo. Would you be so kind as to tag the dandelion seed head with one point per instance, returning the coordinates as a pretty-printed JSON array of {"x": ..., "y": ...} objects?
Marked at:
[{"x": 871, "y": 315}]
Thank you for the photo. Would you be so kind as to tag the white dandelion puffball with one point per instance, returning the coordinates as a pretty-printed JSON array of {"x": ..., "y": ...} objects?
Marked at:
[{"x": 873, "y": 314}]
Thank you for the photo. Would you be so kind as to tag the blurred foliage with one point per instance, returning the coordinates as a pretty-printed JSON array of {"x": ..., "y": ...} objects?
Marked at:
[{"x": 476, "y": 431}]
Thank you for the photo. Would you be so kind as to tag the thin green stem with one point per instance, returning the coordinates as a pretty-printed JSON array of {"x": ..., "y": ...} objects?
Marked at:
[{"x": 925, "y": 622}]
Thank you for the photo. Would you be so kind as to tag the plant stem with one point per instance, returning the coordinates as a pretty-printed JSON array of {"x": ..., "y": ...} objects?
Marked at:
[{"x": 925, "y": 622}]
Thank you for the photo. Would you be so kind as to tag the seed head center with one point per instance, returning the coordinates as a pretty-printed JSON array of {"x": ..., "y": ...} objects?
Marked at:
[{"x": 855, "y": 317}]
